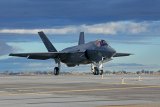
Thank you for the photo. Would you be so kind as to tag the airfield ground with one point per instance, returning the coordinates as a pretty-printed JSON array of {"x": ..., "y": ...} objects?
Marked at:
[{"x": 80, "y": 91}]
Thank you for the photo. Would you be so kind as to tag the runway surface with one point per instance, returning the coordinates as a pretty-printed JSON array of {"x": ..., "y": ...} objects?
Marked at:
[{"x": 78, "y": 91}]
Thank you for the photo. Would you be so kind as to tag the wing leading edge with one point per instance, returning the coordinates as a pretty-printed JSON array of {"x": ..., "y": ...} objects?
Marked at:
[{"x": 40, "y": 55}]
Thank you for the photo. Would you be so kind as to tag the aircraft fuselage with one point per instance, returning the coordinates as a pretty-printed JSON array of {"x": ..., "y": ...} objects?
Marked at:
[{"x": 87, "y": 53}]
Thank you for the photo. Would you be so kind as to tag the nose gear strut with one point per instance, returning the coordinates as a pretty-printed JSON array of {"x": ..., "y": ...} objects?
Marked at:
[{"x": 97, "y": 67}]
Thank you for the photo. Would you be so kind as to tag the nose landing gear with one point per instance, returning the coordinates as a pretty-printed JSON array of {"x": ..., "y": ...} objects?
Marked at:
[
  {"x": 97, "y": 68},
  {"x": 95, "y": 71},
  {"x": 56, "y": 71}
]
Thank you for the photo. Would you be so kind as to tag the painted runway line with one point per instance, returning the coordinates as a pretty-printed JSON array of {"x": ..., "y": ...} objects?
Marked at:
[{"x": 73, "y": 90}]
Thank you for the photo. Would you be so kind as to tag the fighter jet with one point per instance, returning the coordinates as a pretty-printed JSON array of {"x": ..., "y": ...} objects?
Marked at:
[{"x": 95, "y": 53}]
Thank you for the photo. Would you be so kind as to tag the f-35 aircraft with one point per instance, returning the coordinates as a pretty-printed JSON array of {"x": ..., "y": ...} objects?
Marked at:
[{"x": 95, "y": 53}]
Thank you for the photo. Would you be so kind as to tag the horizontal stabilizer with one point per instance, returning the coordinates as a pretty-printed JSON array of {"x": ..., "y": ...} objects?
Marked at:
[{"x": 122, "y": 54}]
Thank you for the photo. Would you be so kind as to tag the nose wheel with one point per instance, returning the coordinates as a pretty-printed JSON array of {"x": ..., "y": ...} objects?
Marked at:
[
  {"x": 96, "y": 71},
  {"x": 97, "y": 68},
  {"x": 101, "y": 72}
]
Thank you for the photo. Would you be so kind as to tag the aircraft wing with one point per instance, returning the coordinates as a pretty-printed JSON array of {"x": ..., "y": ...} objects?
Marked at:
[
  {"x": 43, "y": 55},
  {"x": 40, "y": 55},
  {"x": 122, "y": 54}
]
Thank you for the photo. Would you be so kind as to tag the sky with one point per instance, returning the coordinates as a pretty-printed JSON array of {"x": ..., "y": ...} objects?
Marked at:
[{"x": 131, "y": 26}]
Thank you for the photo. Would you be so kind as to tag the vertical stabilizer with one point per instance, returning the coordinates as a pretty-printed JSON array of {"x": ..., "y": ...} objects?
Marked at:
[
  {"x": 47, "y": 43},
  {"x": 81, "y": 38}
]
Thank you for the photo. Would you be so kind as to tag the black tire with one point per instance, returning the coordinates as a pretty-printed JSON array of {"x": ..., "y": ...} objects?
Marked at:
[
  {"x": 96, "y": 71},
  {"x": 101, "y": 72},
  {"x": 56, "y": 71}
]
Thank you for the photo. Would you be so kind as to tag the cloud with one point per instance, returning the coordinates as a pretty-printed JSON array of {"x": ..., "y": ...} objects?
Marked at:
[
  {"x": 134, "y": 42},
  {"x": 112, "y": 28},
  {"x": 64, "y": 30},
  {"x": 116, "y": 27}
]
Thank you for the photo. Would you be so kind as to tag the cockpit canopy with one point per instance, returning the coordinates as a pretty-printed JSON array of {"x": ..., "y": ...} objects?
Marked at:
[{"x": 101, "y": 43}]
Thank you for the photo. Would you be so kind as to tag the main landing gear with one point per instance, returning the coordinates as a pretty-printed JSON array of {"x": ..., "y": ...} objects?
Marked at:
[
  {"x": 97, "y": 68},
  {"x": 57, "y": 69}
]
